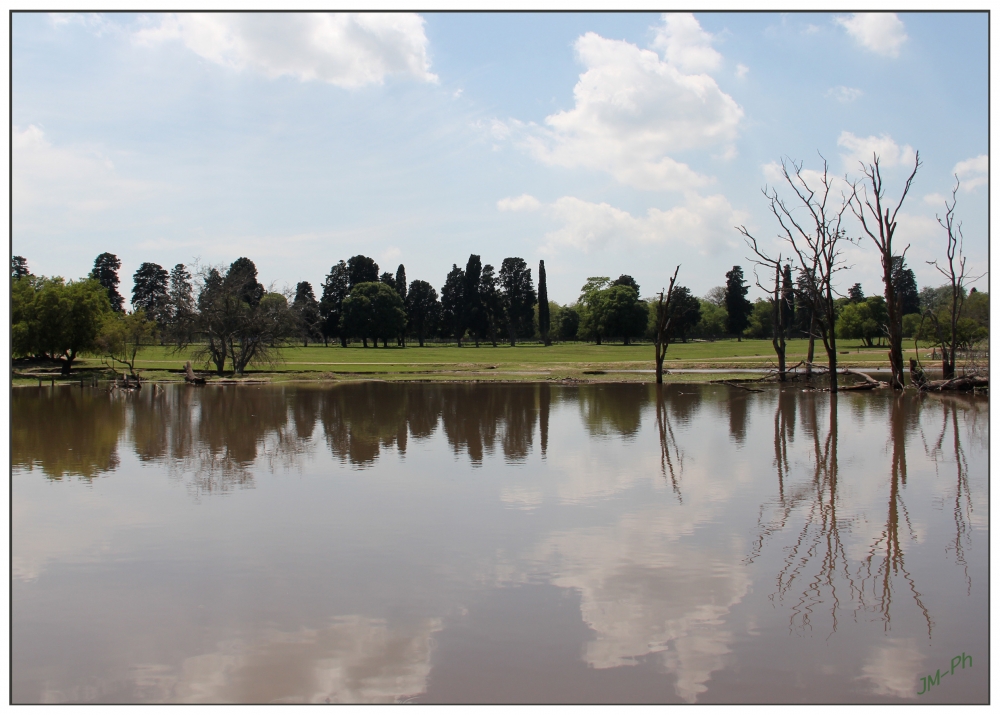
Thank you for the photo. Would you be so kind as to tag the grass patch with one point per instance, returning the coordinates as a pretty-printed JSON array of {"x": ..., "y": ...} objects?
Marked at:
[{"x": 525, "y": 362}]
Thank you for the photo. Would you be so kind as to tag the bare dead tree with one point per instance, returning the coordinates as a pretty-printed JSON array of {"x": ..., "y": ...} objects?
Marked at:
[
  {"x": 662, "y": 337},
  {"x": 779, "y": 307},
  {"x": 815, "y": 243},
  {"x": 880, "y": 224},
  {"x": 957, "y": 278}
]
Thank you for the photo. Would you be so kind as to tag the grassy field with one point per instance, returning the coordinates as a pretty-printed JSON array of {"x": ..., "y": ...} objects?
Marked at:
[{"x": 528, "y": 361}]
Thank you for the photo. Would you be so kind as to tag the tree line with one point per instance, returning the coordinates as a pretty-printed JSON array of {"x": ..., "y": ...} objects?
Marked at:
[{"x": 231, "y": 319}]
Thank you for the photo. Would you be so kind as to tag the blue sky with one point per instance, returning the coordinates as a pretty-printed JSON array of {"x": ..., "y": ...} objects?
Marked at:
[{"x": 602, "y": 143}]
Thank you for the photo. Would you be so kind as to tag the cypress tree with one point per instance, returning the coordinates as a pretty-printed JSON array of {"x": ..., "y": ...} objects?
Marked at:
[{"x": 543, "y": 305}]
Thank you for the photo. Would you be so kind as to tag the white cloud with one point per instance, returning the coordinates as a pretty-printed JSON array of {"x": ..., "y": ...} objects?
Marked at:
[
  {"x": 49, "y": 179},
  {"x": 524, "y": 202},
  {"x": 95, "y": 22},
  {"x": 844, "y": 94},
  {"x": 631, "y": 110},
  {"x": 935, "y": 199},
  {"x": 881, "y": 32},
  {"x": 344, "y": 49},
  {"x": 863, "y": 149},
  {"x": 685, "y": 45},
  {"x": 705, "y": 222},
  {"x": 973, "y": 172},
  {"x": 742, "y": 70}
]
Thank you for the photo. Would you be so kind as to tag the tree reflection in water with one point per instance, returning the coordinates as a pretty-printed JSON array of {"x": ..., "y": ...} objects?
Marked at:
[
  {"x": 671, "y": 457},
  {"x": 962, "y": 504},
  {"x": 886, "y": 555},
  {"x": 80, "y": 435},
  {"x": 816, "y": 572}
]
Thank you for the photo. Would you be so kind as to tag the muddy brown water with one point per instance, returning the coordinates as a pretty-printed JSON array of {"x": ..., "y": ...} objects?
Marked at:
[{"x": 376, "y": 542}]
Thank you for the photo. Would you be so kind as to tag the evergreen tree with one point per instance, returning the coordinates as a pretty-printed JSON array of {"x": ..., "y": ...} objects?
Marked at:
[
  {"x": 150, "y": 292},
  {"x": 787, "y": 297},
  {"x": 423, "y": 310},
  {"x": 181, "y": 306},
  {"x": 336, "y": 288},
  {"x": 453, "y": 305},
  {"x": 543, "y": 305},
  {"x": 361, "y": 269},
  {"x": 18, "y": 267},
  {"x": 905, "y": 284},
  {"x": 738, "y": 308},
  {"x": 474, "y": 315},
  {"x": 305, "y": 309},
  {"x": 518, "y": 298},
  {"x": 855, "y": 294},
  {"x": 105, "y": 272},
  {"x": 401, "y": 282},
  {"x": 492, "y": 302}
]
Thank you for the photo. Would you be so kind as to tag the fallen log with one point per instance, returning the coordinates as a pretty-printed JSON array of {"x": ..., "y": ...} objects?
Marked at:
[
  {"x": 870, "y": 382},
  {"x": 733, "y": 384},
  {"x": 969, "y": 382}
]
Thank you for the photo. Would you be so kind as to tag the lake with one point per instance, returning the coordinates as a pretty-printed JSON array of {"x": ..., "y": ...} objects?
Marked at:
[{"x": 524, "y": 543}]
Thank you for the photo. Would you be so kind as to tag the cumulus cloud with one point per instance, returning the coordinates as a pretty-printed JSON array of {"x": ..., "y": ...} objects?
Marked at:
[
  {"x": 633, "y": 109},
  {"x": 344, "y": 49},
  {"x": 973, "y": 172},
  {"x": 685, "y": 44},
  {"x": 704, "y": 222},
  {"x": 881, "y": 32},
  {"x": 742, "y": 70},
  {"x": 524, "y": 202},
  {"x": 844, "y": 94},
  {"x": 863, "y": 149}
]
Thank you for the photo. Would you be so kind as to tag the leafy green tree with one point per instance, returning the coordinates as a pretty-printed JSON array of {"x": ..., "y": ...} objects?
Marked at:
[
  {"x": 865, "y": 321},
  {"x": 738, "y": 308},
  {"x": 568, "y": 324},
  {"x": 423, "y": 310},
  {"x": 361, "y": 269},
  {"x": 105, "y": 272},
  {"x": 374, "y": 310},
  {"x": 150, "y": 292},
  {"x": 518, "y": 298},
  {"x": 121, "y": 337},
  {"x": 626, "y": 280},
  {"x": 18, "y": 267},
  {"x": 759, "y": 321},
  {"x": 336, "y": 288},
  {"x": 305, "y": 309},
  {"x": 592, "y": 308},
  {"x": 625, "y": 316},
  {"x": 453, "y": 305},
  {"x": 685, "y": 313},
  {"x": 544, "y": 315},
  {"x": 712, "y": 321},
  {"x": 24, "y": 326},
  {"x": 69, "y": 317}
]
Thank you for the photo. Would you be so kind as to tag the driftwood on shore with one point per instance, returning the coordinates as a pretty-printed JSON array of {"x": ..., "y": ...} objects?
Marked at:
[
  {"x": 189, "y": 376},
  {"x": 966, "y": 382}
]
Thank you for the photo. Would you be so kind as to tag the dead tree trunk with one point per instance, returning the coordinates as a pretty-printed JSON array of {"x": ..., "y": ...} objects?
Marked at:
[{"x": 662, "y": 337}]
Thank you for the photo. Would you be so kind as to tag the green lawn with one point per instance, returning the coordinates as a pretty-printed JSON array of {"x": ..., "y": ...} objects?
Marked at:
[{"x": 526, "y": 361}]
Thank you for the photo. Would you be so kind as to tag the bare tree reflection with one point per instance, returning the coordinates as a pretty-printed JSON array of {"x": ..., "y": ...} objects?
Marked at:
[
  {"x": 817, "y": 558},
  {"x": 671, "y": 457},
  {"x": 962, "y": 504}
]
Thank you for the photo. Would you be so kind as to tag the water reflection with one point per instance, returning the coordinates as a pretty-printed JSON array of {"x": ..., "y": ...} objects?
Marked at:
[
  {"x": 644, "y": 544},
  {"x": 80, "y": 434}
]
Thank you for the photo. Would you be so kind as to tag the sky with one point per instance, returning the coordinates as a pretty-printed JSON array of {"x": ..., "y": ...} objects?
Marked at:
[{"x": 601, "y": 143}]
